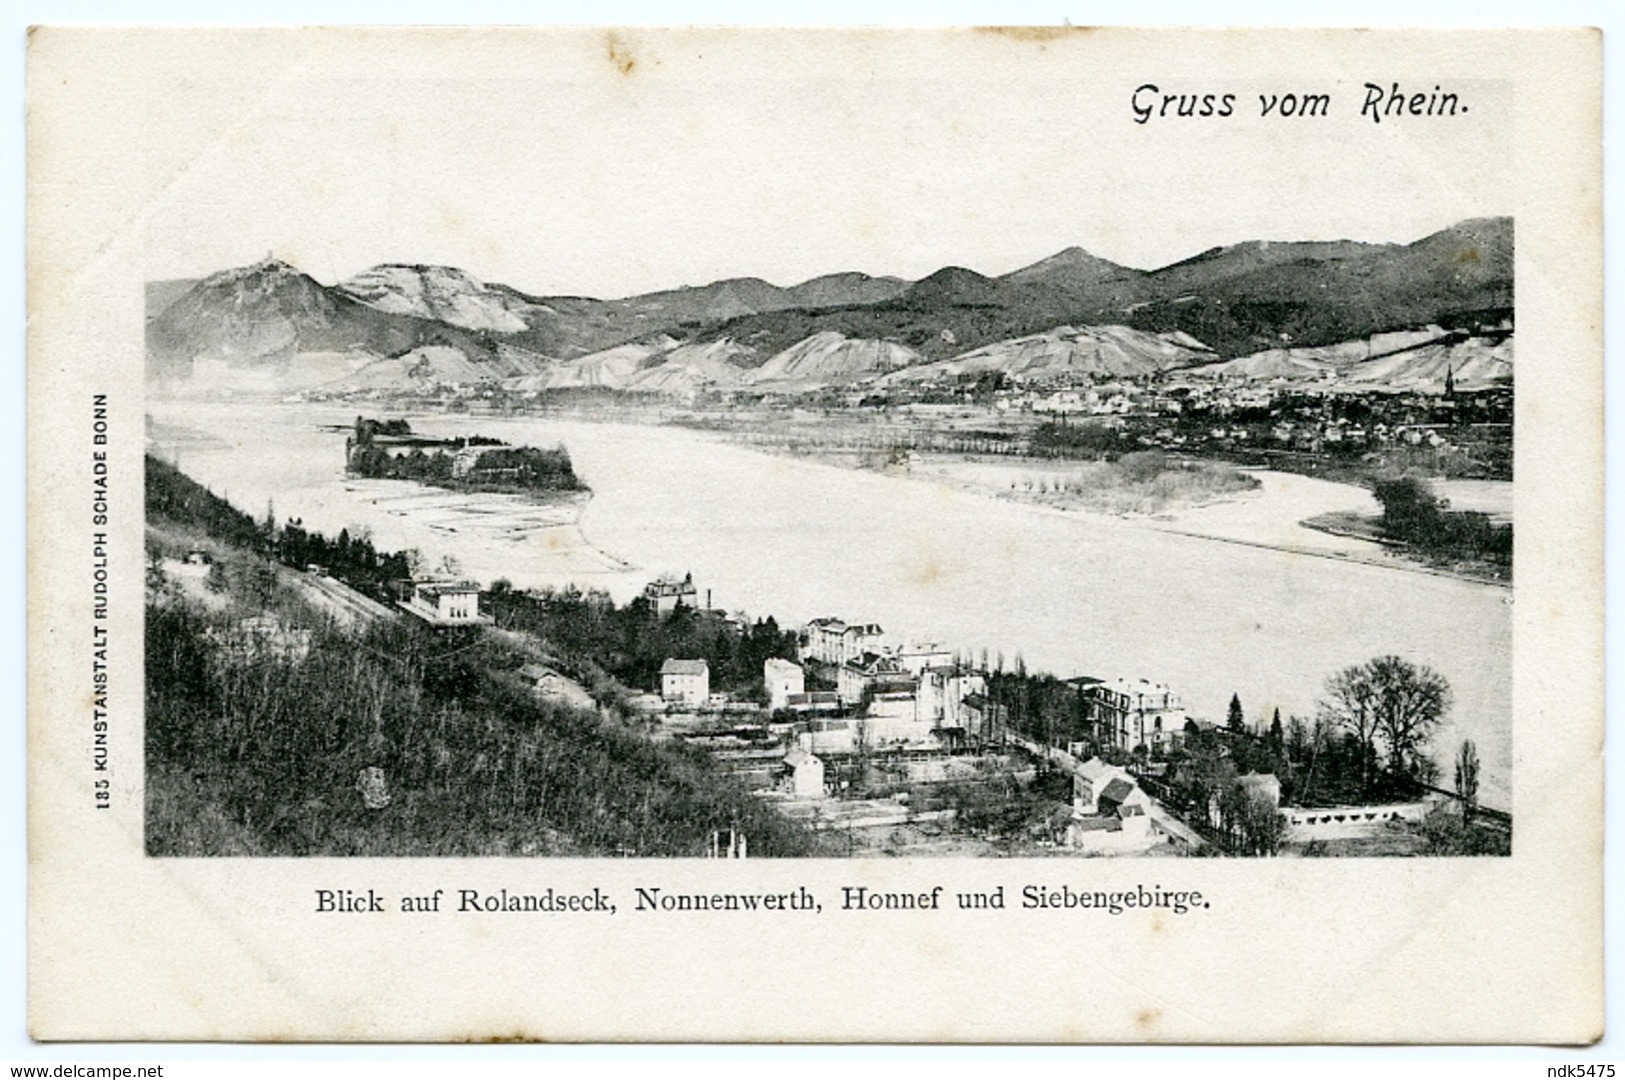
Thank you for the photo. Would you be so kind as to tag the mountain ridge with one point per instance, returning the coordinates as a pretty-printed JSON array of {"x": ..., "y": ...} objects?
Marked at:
[{"x": 1236, "y": 300}]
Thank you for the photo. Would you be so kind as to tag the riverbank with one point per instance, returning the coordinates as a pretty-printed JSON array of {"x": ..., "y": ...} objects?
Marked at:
[
  {"x": 1201, "y": 499},
  {"x": 1361, "y": 527},
  {"x": 1071, "y": 592},
  {"x": 389, "y": 450},
  {"x": 274, "y": 730},
  {"x": 1134, "y": 486},
  {"x": 258, "y": 458}
]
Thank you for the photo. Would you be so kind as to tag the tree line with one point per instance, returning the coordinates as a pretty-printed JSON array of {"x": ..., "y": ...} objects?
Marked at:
[
  {"x": 260, "y": 754},
  {"x": 1369, "y": 741},
  {"x": 1414, "y": 516},
  {"x": 175, "y": 497},
  {"x": 630, "y": 642},
  {"x": 266, "y": 750},
  {"x": 522, "y": 468},
  {"x": 496, "y": 467}
]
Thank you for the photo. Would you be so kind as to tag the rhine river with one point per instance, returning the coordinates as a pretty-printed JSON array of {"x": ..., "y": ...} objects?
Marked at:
[{"x": 1070, "y": 593}]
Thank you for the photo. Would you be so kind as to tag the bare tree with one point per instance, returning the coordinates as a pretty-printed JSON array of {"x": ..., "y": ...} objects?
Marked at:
[
  {"x": 1467, "y": 778},
  {"x": 1350, "y": 705},
  {"x": 1391, "y": 698},
  {"x": 1254, "y": 822},
  {"x": 1411, "y": 700}
]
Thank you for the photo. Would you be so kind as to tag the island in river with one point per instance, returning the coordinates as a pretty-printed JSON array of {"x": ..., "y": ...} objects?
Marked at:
[
  {"x": 1221, "y": 600},
  {"x": 389, "y": 450}
]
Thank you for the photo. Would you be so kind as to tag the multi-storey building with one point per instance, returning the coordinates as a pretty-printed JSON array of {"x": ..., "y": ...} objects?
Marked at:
[{"x": 1133, "y": 714}]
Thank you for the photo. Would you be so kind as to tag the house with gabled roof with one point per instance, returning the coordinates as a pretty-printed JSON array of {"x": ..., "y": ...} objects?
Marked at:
[
  {"x": 551, "y": 685},
  {"x": 871, "y": 673},
  {"x": 804, "y": 774},
  {"x": 666, "y": 594},
  {"x": 685, "y": 682},
  {"x": 832, "y": 641},
  {"x": 1110, "y": 811},
  {"x": 1099, "y": 788},
  {"x": 783, "y": 679}
]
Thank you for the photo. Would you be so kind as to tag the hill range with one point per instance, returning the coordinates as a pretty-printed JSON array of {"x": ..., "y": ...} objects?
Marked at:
[{"x": 1257, "y": 310}]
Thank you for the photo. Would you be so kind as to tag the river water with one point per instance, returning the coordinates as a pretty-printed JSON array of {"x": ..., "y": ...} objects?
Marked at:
[{"x": 1070, "y": 593}]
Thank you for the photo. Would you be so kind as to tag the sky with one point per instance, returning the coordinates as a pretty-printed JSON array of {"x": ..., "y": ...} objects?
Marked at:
[{"x": 608, "y": 164}]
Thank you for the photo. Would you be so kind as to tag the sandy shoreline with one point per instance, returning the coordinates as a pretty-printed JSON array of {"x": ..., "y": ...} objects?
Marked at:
[
  {"x": 968, "y": 473},
  {"x": 798, "y": 538}
]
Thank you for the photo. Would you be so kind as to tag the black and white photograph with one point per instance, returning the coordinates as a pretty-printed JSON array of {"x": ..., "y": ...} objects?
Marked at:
[
  {"x": 1079, "y": 526},
  {"x": 805, "y": 513}
]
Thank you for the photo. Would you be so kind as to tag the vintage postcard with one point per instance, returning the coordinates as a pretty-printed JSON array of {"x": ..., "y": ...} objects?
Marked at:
[{"x": 958, "y": 535}]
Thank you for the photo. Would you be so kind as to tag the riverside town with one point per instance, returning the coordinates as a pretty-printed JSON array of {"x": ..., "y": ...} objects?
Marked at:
[{"x": 1075, "y": 561}]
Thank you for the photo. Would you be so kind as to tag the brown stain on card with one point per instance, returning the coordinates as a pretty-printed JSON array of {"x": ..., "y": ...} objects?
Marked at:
[
  {"x": 1037, "y": 34},
  {"x": 620, "y": 55},
  {"x": 929, "y": 573}
]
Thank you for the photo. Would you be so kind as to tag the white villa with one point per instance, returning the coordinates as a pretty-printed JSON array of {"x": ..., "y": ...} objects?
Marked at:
[
  {"x": 446, "y": 603},
  {"x": 685, "y": 682},
  {"x": 783, "y": 678}
]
